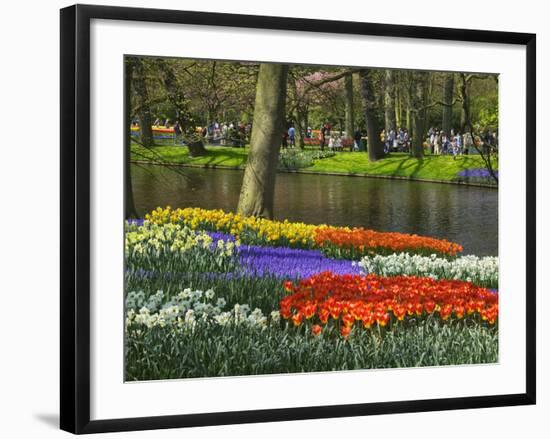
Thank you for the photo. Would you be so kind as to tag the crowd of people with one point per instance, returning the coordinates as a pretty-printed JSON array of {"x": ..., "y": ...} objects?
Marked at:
[
  {"x": 454, "y": 143},
  {"x": 225, "y": 134},
  {"x": 325, "y": 136},
  {"x": 396, "y": 141},
  {"x": 437, "y": 141}
]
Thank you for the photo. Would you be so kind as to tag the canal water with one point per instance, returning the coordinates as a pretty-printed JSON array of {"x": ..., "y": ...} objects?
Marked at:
[{"x": 462, "y": 214}]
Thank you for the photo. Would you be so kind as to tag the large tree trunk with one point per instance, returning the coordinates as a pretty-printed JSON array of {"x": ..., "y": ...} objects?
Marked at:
[
  {"x": 465, "y": 119},
  {"x": 419, "y": 117},
  {"x": 144, "y": 113},
  {"x": 389, "y": 101},
  {"x": 258, "y": 188},
  {"x": 298, "y": 116},
  {"x": 129, "y": 206},
  {"x": 348, "y": 87},
  {"x": 375, "y": 146},
  {"x": 398, "y": 106},
  {"x": 448, "y": 88}
]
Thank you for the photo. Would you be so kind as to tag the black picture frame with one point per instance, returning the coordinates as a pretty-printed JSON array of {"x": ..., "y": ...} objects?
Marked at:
[{"x": 75, "y": 218}]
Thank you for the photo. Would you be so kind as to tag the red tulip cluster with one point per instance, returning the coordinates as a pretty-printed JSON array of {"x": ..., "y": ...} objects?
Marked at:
[{"x": 375, "y": 300}]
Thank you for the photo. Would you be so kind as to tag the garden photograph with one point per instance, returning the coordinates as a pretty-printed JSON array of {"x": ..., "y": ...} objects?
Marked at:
[{"x": 295, "y": 218}]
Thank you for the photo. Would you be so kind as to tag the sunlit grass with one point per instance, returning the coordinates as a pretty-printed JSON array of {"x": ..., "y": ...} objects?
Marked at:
[
  {"x": 400, "y": 165},
  {"x": 351, "y": 163}
]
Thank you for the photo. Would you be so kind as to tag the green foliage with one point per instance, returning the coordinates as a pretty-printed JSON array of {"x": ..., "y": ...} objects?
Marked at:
[
  {"x": 267, "y": 290},
  {"x": 298, "y": 159},
  {"x": 488, "y": 119},
  {"x": 213, "y": 350}
]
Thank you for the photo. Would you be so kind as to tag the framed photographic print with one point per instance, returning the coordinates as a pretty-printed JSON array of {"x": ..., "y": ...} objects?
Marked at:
[{"x": 304, "y": 218}]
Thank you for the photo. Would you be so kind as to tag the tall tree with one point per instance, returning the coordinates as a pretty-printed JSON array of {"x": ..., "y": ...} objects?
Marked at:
[
  {"x": 348, "y": 91},
  {"x": 129, "y": 206},
  {"x": 144, "y": 109},
  {"x": 448, "y": 90},
  {"x": 177, "y": 99},
  {"x": 465, "y": 117},
  {"x": 299, "y": 114},
  {"x": 389, "y": 100},
  {"x": 258, "y": 187},
  {"x": 375, "y": 146},
  {"x": 419, "y": 98},
  {"x": 397, "y": 99}
]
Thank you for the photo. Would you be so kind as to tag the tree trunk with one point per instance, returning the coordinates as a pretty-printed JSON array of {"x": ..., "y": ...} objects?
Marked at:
[
  {"x": 300, "y": 130},
  {"x": 144, "y": 113},
  {"x": 398, "y": 121},
  {"x": 389, "y": 100},
  {"x": 258, "y": 188},
  {"x": 409, "y": 90},
  {"x": 348, "y": 87},
  {"x": 465, "y": 120},
  {"x": 129, "y": 206},
  {"x": 448, "y": 89},
  {"x": 375, "y": 146},
  {"x": 419, "y": 118},
  {"x": 196, "y": 148},
  {"x": 298, "y": 115}
]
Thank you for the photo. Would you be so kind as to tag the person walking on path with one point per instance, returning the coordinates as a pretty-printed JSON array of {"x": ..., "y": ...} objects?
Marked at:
[
  {"x": 356, "y": 141},
  {"x": 292, "y": 136}
]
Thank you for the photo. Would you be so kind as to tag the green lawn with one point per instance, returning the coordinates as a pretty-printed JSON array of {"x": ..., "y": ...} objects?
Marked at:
[
  {"x": 217, "y": 155},
  {"x": 396, "y": 164}
]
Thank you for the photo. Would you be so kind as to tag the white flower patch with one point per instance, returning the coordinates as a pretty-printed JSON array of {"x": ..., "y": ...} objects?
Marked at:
[
  {"x": 160, "y": 239},
  {"x": 187, "y": 308},
  {"x": 480, "y": 271}
]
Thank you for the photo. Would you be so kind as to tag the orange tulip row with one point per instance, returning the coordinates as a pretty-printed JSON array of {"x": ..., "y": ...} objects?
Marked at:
[
  {"x": 359, "y": 241},
  {"x": 373, "y": 300}
]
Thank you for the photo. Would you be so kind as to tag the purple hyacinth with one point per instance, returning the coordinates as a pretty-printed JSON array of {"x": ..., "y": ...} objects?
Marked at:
[
  {"x": 294, "y": 263},
  {"x": 136, "y": 221},
  {"x": 216, "y": 236},
  {"x": 285, "y": 262},
  {"x": 476, "y": 172}
]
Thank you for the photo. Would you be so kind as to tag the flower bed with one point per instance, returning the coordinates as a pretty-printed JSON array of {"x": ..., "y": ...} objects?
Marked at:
[
  {"x": 479, "y": 271},
  {"x": 354, "y": 243},
  {"x": 371, "y": 299},
  {"x": 295, "y": 158},
  {"x": 340, "y": 242},
  {"x": 210, "y": 293},
  {"x": 477, "y": 175}
]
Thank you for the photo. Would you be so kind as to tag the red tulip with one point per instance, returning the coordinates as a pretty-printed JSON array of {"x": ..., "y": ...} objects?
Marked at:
[
  {"x": 297, "y": 319},
  {"x": 345, "y": 331}
]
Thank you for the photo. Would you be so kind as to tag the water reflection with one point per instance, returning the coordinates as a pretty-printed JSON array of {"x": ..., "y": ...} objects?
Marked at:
[{"x": 467, "y": 215}]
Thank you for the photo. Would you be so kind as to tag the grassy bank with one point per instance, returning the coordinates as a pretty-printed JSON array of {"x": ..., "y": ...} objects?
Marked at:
[
  {"x": 399, "y": 165},
  {"x": 217, "y": 155},
  {"x": 395, "y": 165}
]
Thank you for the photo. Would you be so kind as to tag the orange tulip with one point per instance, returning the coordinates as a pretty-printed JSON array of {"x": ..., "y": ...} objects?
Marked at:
[
  {"x": 297, "y": 319},
  {"x": 324, "y": 315},
  {"x": 348, "y": 319},
  {"x": 345, "y": 331},
  {"x": 316, "y": 329}
]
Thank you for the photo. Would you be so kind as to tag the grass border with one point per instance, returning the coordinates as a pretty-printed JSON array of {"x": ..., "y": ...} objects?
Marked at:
[{"x": 305, "y": 171}]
